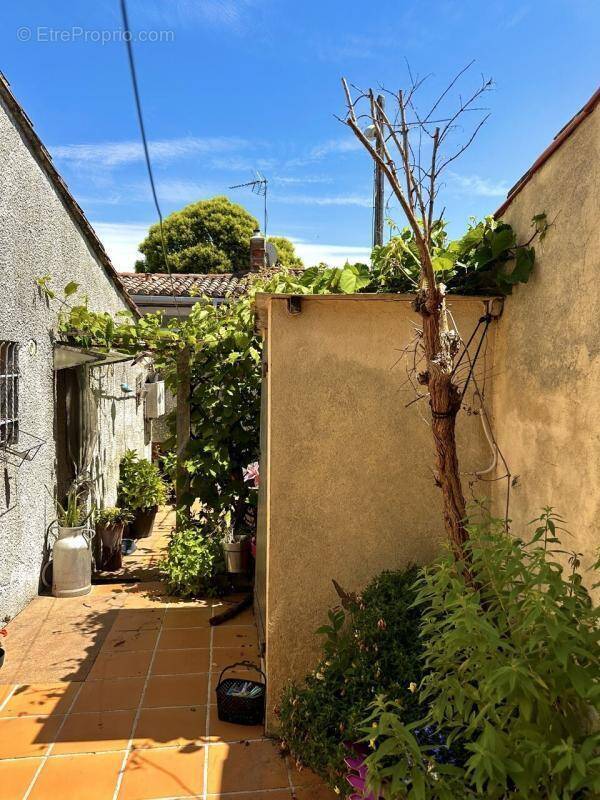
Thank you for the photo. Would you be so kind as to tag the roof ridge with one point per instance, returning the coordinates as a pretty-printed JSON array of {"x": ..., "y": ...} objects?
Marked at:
[{"x": 558, "y": 140}]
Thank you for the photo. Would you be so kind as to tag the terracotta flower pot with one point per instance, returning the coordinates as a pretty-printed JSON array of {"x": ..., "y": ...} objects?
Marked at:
[
  {"x": 141, "y": 527},
  {"x": 111, "y": 537}
]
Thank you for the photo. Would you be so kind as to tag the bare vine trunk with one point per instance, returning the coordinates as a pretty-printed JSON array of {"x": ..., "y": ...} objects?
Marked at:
[{"x": 444, "y": 401}]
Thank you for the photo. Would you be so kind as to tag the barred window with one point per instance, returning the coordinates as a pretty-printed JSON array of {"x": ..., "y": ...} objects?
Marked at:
[{"x": 9, "y": 393}]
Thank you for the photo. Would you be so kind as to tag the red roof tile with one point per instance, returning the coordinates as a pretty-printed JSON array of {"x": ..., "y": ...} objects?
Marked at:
[{"x": 159, "y": 284}]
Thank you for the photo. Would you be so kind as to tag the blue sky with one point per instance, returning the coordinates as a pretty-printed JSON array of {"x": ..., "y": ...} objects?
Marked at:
[{"x": 239, "y": 85}]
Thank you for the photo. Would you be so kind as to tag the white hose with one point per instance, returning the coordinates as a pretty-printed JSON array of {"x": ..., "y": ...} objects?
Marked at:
[{"x": 488, "y": 435}]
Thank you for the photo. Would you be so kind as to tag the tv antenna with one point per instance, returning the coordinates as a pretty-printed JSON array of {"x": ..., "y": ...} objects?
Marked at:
[{"x": 257, "y": 186}]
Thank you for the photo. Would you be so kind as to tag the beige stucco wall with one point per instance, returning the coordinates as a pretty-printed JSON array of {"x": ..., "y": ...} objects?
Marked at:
[
  {"x": 39, "y": 237},
  {"x": 346, "y": 470},
  {"x": 547, "y": 362}
]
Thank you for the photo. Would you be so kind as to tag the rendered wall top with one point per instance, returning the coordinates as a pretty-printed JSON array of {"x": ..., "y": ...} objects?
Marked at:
[
  {"x": 347, "y": 487},
  {"x": 39, "y": 237},
  {"x": 546, "y": 402}
]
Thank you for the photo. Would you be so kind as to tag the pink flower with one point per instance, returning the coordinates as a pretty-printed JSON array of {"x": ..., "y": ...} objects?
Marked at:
[{"x": 252, "y": 474}]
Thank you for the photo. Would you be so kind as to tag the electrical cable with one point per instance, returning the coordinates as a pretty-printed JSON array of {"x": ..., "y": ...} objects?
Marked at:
[{"x": 140, "y": 116}]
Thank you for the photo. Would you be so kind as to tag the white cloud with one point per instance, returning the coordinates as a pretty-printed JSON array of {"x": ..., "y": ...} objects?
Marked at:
[
  {"x": 335, "y": 255},
  {"x": 330, "y": 147},
  {"x": 335, "y": 146},
  {"x": 315, "y": 200},
  {"x": 231, "y": 14},
  {"x": 478, "y": 186},
  {"x": 121, "y": 240},
  {"x": 112, "y": 154},
  {"x": 519, "y": 15},
  {"x": 169, "y": 191}
]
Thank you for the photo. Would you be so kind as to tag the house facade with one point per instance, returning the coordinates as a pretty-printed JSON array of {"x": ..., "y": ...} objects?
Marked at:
[{"x": 61, "y": 410}]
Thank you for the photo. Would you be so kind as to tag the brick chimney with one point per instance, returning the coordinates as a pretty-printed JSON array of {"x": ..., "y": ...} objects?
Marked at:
[{"x": 258, "y": 255}]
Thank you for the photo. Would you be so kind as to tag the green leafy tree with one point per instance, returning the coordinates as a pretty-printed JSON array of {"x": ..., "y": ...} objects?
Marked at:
[
  {"x": 286, "y": 253},
  {"x": 207, "y": 236}
]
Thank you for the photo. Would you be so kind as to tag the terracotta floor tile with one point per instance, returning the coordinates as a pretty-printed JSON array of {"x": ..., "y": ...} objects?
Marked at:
[
  {"x": 27, "y": 736},
  {"x": 15, "y": 777},
  {"x": 85, "y": 777},
  {"x": 143, "y": 619},
  {"x": 306, "y": 781},
  {"x": 117, "y": 694},
  {"x": 229, "y": 732},
  {"x": 184, "y": 638},
  {"x": 234, "y": 635},
  {"x": 180, "y": 662},
  {"x": 315, "y": 793},
  {"x": 196, "y": 617},
  {"x": 5, "y": 690},
  {"x": 36, "y": 699},
  {"x": 146, "y": 594},
  {"x": 176, "y": 690},
  {"x": 243, "y": 767},
  {"x": 163, "y": 773},
  {"x": 130, "y": 641},
  {"x": 94, "y": 732},
  {"x": 224, "y": 656},
  {"x": 120, "y": 665},
  {"x": 170, "y": 726},
  {"x": 245, "y": 617}
]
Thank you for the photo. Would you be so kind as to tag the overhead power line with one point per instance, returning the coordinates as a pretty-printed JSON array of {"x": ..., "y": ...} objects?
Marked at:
[{"x": 140, "y": 116}]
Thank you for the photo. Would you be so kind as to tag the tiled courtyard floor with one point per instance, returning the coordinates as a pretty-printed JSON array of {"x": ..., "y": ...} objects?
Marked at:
[{"x": 111, "y": 697}]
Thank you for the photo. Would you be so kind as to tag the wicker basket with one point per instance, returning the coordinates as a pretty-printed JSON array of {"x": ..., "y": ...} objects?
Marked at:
[{"x": 241, "y": 710}]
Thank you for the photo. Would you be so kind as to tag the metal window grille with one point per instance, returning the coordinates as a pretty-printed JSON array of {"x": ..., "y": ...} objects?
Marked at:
[{"x": 9, "y": 393}]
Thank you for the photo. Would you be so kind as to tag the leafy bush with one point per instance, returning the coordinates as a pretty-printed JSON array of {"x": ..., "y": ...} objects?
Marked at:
[
  {"x": 373, "y": 647},
  {"x": 512, "y": 667},
  {"x": 140, "y": 483},
  {"x": 193, "y": 560},
  {"x": 225, "y": 406},
  {"x": 113, "y": 515}
]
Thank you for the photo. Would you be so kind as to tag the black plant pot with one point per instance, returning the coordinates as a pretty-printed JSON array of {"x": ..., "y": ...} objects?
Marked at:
[
  {"x": 141, "y": 527},
  {"x": 2, "y": 654}
]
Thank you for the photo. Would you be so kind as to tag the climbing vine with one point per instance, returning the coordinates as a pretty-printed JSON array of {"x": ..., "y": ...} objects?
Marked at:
[{"x": 226, "y": 350}]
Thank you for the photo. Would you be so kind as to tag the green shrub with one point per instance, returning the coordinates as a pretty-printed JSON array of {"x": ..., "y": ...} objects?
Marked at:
[
  {"x": 113, "y": 515},
  {"x": 194, "y": 558},
  {"x": 140, "y": 483},
  {"x": 512, "y": 675},
  {"x": 373, "y": 647}
]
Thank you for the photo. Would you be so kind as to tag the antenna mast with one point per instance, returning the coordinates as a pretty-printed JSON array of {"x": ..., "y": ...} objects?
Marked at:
[{"x": 258, "y": 186}]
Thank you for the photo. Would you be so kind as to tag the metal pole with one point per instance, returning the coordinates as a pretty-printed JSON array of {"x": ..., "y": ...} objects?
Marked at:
[{"x": 379, "y": 185}]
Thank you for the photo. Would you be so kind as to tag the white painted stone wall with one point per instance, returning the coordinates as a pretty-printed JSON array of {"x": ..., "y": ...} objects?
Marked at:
[{"x": 38, "y": 236}]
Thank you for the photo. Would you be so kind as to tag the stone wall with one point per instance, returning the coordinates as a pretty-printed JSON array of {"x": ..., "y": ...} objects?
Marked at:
[{"x": 38, "y": 236}]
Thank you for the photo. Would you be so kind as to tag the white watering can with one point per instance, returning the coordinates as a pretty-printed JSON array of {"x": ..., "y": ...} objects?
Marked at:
[{"x": 72, "y": 562}]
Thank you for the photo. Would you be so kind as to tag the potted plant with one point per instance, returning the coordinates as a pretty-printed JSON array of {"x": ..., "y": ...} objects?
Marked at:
[
  {"x": 110, "y": 524},
  {"x": 233, "y": 543},
  {"x": 72, "y": 550},
  {"x": 141, "y": 491}
]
